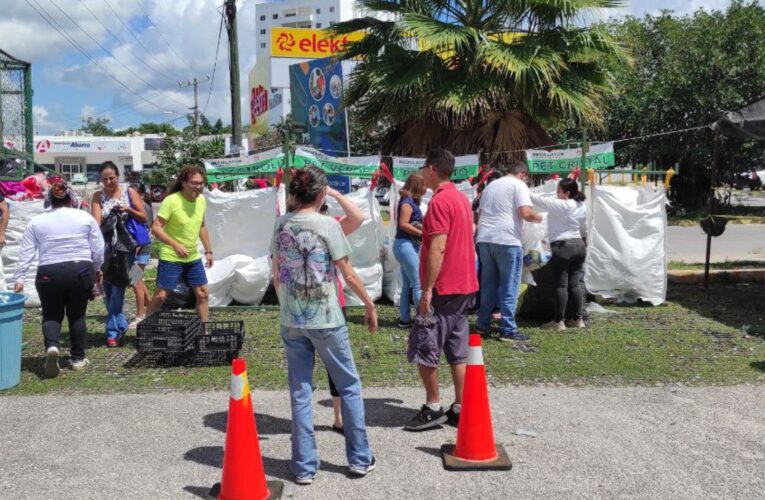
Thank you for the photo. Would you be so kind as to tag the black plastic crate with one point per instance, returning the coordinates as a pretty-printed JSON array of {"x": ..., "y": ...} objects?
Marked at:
[
  {"x": 168, "y": 331},
  {"x": 221, "y": 336}
]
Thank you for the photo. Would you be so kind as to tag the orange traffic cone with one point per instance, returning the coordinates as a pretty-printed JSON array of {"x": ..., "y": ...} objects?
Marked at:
[
  {"x": 475, "y": 449},
  {"x": 243, "y": 475}
]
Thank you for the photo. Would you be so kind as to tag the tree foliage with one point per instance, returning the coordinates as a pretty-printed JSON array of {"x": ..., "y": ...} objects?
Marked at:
[
  {"x": 185, "y": 149},
  {"x": 454, "y": 64},
  {"x": 688, "y": 71}
]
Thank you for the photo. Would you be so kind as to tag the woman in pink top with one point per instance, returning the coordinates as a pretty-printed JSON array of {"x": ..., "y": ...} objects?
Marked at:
[{"x": 352, "y": 220}]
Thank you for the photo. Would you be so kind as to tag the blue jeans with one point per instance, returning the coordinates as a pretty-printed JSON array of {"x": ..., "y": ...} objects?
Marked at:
[
  {"x": 334, "y": 348},
  {"x": 407, "y": 254},
  {"x": 501, "y": 267},
  {"x": 114, "y": 299}
]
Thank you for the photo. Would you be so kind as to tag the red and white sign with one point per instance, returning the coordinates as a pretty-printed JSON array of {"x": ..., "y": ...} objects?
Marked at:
[{"x": 75, "y": 145}]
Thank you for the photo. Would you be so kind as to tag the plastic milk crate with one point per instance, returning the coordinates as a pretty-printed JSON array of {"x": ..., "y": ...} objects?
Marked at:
[
  {"x": 218, "y": 342},
  {"x": 168, "y": 331}
]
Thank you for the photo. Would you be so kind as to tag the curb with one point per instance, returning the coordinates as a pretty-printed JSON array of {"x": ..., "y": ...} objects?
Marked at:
[{"x": 696, "y": 277}]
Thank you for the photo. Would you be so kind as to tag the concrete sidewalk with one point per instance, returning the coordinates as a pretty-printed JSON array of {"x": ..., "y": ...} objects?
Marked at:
[{"x": 664, "y": 442}]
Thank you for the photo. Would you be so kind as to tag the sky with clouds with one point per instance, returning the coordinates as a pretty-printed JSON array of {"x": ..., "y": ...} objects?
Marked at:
[{"x": 123, "y": 59}]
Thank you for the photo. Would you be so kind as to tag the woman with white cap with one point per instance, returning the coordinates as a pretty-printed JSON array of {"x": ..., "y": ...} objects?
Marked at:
[{"x": 70, "y": 250}]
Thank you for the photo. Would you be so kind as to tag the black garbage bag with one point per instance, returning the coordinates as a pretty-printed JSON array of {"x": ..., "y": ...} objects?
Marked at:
[
  {"x": 180, "y": 297},
  {"x": 539, "y": 301},
  {"x": 119, "y": 250}
]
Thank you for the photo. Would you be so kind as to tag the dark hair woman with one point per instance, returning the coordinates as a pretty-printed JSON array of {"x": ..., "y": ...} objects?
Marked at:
[
  {"x": 406, "y": 246},
  {"x": 70, "y": 250},
  {"x": 566, "y": 228},
  {"x": 307, "y": 250},
  {"x": 125, "y": 200}
]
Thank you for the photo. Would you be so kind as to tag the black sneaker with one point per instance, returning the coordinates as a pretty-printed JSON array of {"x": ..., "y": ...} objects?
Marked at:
[
  {"x": 404, "y": 324},
  {"x": 509, "y": 337},
  {"x": 452, "y": 418},
  {"x": 426, "y": 419}
]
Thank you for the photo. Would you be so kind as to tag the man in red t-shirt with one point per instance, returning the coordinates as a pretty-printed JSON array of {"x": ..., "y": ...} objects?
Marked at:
[{"x": 449, "y": 282}]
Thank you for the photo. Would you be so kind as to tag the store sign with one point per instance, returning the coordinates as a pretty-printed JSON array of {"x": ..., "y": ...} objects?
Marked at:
[
  {"x": 78, "y": 146},
  {"x": 566, "y": 160},
  {"x": 308, "y": 43}
]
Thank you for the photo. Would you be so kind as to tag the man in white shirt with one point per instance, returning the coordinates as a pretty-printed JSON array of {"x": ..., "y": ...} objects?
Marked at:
[{"x": 505, "y": 204}]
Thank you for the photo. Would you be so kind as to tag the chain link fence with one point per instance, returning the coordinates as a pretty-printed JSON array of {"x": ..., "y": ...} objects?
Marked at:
[{"x": 15, "y": 115}]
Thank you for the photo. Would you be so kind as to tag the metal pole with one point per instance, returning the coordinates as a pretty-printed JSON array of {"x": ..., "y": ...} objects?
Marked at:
[
  {"x": 583, "y": 165},
  {"x": 233, "y": 67},
  {"x": 347, "y": 133},
  {"x": 196, "y": 107},
  {"x": 715, "y": 155}
]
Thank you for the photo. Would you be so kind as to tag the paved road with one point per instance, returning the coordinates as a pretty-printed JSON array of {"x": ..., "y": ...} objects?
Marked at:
[
  {"x": 664, "y": 442},
  {"x": 738, "y": 242}
]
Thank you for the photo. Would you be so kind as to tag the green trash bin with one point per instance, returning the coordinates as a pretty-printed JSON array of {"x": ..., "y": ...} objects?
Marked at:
[{"x": 11, "y": 319}]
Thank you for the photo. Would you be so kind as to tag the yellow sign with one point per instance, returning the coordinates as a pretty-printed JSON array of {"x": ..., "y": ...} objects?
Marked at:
[{"x": 308, "y": 43}]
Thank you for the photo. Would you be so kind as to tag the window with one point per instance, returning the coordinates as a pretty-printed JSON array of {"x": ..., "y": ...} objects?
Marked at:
[
  {"x": 262, "y": 18},
  {"x": 262, "y": 45},
  {"x": 290, "y": 13},
  {"x": 318, "y": 11},
  {"x": 276, "y": 16},
  {"x": 331, "y": 9},
  {"x": 332, "y": 23},
  {"x": 318, "y": 25},
  {"x": 262, "y": 32}
]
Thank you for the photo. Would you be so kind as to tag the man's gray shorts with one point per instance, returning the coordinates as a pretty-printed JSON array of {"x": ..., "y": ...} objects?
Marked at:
[{"x": 447, "y": 330}]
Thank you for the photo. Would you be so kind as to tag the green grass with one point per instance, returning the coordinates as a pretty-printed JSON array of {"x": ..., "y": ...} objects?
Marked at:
[
  {"x": 726, "y": 265},
  {"x": 695, "y": 338}
]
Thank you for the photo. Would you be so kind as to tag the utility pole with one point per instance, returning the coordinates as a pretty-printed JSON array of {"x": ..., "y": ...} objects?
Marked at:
[
  {"x": 233, "y": 66},
  {"x": 194, "y": 83}
]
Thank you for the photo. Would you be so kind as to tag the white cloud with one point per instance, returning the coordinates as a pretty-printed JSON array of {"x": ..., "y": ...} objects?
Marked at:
[
  {"x": 191, "y": 27},
  {"x": 44, "y": 122}
]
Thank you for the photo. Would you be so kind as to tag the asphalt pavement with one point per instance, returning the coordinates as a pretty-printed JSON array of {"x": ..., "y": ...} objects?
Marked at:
[
  {"x": 662, "y": 442},
  {"x": 738, "y": 242}
]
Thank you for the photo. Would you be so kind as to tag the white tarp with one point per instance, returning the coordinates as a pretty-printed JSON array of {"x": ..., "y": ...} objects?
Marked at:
[
  {"x": 21, "y": 213},
  {"x": 627, "y": 244},
  {"x": 241, "y": 226},
  {"x": 366, "y": 243}
]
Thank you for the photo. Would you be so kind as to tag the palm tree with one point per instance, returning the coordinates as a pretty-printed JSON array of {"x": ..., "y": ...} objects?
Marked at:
[{"x": 478, "y": 74}]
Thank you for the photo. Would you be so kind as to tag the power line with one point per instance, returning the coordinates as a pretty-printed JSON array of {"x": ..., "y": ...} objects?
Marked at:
[
  {"x": 165, "y": 75},
  {"x": 151, "y": 23},
  {"x": 215, "y": 65},
  {"x": 54, "y": 24},
  {"x": 52, "y": 2}
]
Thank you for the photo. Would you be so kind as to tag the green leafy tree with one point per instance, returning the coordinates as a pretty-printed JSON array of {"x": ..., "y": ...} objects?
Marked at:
[
  {"x": 486, "y": 74},
  {"x": 96, "y": 126},
  {"x": 181, "y": 150},
  {"x": 687, "y": 72},
  {"x": 152, "y": 128}
]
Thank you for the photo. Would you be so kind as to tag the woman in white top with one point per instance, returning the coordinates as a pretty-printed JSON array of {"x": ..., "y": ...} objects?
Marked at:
[
  {"x": 566, "y": 221},
  {"x": 71, "y": 250}
]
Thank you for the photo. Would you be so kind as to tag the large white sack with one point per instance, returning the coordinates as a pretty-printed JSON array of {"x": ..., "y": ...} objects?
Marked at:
[
  {"x": 627, "y": 244},
  {"x": 240, "y": 226},
  {"x": 21, "y": 213},
  {"x": 392, "y": 270},
  {"x": 366, "y": 243}
]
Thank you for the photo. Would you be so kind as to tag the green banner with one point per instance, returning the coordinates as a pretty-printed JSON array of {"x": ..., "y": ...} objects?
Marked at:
[
  {"x": 464, "y": 167},
  {"x": 565, "y": 160}
]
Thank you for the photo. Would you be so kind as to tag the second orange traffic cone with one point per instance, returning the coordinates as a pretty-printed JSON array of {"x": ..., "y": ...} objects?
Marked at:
[
  {"x": 475, "y": 448},
  {"x": 243, "y": 474}
]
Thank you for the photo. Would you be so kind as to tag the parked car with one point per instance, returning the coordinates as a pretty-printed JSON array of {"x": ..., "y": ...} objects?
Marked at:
[{"x": 80, "y": 178}]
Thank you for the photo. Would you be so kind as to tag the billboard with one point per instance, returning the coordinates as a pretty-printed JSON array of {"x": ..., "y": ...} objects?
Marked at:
[
  {"x": 81, "y": 146},
  {"x": 258, "y": 85},
  {"x": 308, "y": 43},
  {"x": 316, "y": 90}
]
